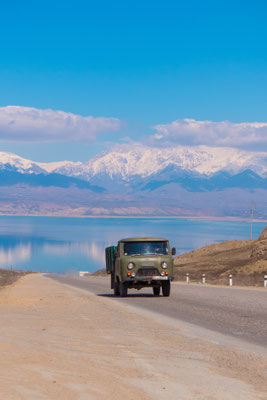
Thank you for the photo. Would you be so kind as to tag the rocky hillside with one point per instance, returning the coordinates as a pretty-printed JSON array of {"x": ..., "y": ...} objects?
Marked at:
[
  {"x": 259, "y": 251},
  {"x": 245, "y": 260}
]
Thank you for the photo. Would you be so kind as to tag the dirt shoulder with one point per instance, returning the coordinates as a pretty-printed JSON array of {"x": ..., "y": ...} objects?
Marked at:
[
  {"x": 61, "y": 342},
  {"x": 7, "y": 277}
]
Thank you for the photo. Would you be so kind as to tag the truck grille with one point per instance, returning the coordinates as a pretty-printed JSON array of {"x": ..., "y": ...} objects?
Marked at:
[{"x": 149, "y": 271}]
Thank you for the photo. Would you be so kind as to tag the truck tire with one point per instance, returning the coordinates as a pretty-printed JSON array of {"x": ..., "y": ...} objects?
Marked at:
[
  {"x": 123, "y": 289},
  {"x": 112, "y": 280},
  {"x": 116, "y": 288},
  {"x": 166, "y": 288},
  {"x": 156, "y": 290}
]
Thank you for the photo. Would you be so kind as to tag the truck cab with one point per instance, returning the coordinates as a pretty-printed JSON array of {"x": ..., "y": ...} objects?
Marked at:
[{"x": 136, "y": 263}]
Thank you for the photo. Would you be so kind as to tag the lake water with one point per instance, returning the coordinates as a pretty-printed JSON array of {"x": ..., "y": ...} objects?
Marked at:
[{"x": 72, "y": 244}]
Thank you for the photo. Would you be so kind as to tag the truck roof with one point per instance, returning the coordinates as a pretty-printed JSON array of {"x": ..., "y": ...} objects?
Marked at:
[{"x": 144, "y": 239}]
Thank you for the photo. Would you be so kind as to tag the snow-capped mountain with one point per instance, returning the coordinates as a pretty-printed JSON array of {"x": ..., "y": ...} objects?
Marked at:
[
  {"x": 24, "y": 165},
  {"x": 127, "y": 161},
  {"x": 138, "y": 180},
  {"x": 132, "y": 162}
]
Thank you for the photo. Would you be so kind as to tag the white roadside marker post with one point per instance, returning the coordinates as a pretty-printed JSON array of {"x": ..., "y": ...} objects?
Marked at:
[
  {"x": 265, "y": 281},
  {"x": 204, "y": 279},
  {"x": 230, "y": 280},
  {"x": 187, "y": 277}
]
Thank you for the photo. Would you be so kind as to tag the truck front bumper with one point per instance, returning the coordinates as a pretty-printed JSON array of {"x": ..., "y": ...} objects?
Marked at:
[{"x": 147, "y": 278}]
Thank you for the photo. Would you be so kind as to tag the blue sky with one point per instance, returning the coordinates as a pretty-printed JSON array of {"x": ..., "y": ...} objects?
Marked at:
[{"x": 147, "y": 63}]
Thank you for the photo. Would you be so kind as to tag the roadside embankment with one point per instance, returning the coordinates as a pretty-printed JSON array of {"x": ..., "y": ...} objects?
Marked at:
[
  {"x": 246, "y": 260},
  {"x": 7, "y": 276},
  {"x": 59, "y": 342}
]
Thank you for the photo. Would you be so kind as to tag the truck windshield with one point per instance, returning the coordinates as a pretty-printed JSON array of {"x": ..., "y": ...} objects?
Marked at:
[{"x": 145, "y": 248}]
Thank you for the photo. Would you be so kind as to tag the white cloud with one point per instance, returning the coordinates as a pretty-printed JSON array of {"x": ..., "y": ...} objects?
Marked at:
[
  {"x": 191, "y": 133},
  {"x": 34, "y": 125}
]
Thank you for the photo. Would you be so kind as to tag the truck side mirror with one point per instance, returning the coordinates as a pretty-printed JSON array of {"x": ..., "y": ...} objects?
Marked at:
[{"x": 173, "y": 251}]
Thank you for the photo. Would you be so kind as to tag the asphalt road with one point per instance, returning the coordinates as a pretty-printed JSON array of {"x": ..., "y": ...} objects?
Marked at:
[{"x": 236, "y": 312}]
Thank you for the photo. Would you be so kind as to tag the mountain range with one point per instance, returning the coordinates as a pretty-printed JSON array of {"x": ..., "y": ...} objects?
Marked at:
[{"x": 139, "y": 180}]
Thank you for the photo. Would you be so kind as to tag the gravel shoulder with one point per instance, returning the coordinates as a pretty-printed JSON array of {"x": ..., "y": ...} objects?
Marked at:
[{"x": 62, "y": 342}]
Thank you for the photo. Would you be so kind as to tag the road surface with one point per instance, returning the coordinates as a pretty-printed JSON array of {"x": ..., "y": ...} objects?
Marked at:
[
  {"x": 60, "y": 341},
  {"x": 226, "y": 315}
]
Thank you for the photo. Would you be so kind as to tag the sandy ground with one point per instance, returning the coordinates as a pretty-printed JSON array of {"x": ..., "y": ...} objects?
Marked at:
[{"x": 58, "y": 342}]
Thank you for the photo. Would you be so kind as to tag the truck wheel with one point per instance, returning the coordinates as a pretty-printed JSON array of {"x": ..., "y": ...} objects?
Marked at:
[
  {"x": 123, "y": 289},
  {"x": 156, "y": 290},
  {"x": 166, "y": 288},
  {"x": 116, "y": 288}
]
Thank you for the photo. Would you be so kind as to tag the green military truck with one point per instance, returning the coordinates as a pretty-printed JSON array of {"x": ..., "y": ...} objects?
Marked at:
[{"x": 140, "y": 262}]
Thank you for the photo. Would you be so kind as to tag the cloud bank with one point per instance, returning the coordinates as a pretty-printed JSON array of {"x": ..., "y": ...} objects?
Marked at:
[
  {"x": 190, "y": 132},
  {"x": 27, "y": 124}
]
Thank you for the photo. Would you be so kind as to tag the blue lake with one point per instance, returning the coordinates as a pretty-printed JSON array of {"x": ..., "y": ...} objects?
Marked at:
[{"x": 71, "y": 244}]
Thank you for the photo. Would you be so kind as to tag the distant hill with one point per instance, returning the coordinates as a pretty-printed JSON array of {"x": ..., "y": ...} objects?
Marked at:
[
  {"x": 10, "y": 176},
  {"x": 198, "y": 183}
]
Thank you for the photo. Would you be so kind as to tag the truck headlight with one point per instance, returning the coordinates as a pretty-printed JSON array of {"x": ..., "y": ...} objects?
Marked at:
[
  {"x": 164, "y": 265},
  {"x": 130, "y": 265}
]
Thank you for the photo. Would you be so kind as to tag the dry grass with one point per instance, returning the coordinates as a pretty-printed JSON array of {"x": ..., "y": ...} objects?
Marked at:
[
  {"x": 245, "y": 260},
  {"x": 100, "y": 272},
  {"x": 7, "y": 277}
]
